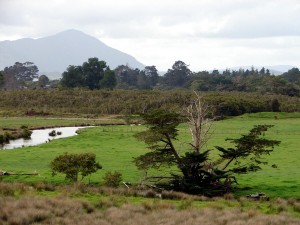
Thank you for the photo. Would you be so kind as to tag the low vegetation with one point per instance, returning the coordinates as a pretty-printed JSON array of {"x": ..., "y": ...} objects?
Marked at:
[
  {"x": 45, "y": 203},
  {"x": 7, "y": 134},
  {"x": 92, "y": 104},
  {"x": 65, "y": 211}
]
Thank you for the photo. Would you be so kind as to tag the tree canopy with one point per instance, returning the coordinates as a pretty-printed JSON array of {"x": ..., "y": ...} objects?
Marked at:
[
  {"x": 93, "y": 74},
  {"x": 73, "y": 165},
  {"x": 178, "y": 75},
  {"x": 22, "y": 71},
  {"x": 1, "y": 78}
]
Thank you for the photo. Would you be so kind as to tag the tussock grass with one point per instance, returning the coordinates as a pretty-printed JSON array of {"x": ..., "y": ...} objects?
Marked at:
[
  {"x": 13, "y": 189},
  {"x": 38, "y": 210}
]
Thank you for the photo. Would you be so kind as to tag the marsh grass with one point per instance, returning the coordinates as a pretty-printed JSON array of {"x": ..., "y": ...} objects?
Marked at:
[{"x": 60, "y": 210}]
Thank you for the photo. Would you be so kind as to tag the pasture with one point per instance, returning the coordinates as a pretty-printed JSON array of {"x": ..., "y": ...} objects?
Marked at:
[{"x": 115, "y": 147}]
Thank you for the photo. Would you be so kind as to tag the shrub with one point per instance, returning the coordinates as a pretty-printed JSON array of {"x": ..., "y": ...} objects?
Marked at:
[
  {"x": 112, "y": 179},
  {"x": 74, "y": 164},
  {"x": 26, "y": 133}
]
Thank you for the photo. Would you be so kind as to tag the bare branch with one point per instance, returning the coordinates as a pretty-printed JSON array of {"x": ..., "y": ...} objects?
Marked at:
[{"x": 200, "y": 124}]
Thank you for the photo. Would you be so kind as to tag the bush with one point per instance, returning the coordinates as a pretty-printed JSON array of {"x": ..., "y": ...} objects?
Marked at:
[
  {"x": 26, "y": 133},
  {"x": 74, "y": 164},
  {"x": 112, "y": 179}
]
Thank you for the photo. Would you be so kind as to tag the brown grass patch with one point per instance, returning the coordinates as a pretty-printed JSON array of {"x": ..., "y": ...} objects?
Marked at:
[{"x": 39, "y": 210}]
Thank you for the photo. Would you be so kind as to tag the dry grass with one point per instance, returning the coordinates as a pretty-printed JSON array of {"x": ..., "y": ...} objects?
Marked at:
[
  {"x": 38, "y": 210},
  {"x": 13, "y": 189}
]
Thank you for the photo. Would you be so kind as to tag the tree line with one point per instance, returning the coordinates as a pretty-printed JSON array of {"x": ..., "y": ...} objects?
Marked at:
[{"x": 96, "y": 74}]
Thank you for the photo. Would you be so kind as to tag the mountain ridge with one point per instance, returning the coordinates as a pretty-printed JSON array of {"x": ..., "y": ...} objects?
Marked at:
[{"x": 53, "y": 54}]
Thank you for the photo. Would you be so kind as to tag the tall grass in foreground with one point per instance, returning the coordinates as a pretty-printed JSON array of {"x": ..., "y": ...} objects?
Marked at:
[{"x": 38, "y": 210}]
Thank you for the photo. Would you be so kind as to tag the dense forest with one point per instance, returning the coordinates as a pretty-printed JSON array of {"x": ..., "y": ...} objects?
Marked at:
[{"x": 95, "y": 74}]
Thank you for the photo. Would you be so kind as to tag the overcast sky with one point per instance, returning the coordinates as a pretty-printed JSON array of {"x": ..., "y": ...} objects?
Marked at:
[{"x": 205, "y": 34}]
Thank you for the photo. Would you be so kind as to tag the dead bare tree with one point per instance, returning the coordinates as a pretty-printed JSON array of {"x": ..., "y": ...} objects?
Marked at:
[{"x": 199, "y": 122}]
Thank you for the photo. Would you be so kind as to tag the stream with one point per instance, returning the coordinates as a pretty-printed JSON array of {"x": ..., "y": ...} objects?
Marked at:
[{"x": 41, "y": 137}]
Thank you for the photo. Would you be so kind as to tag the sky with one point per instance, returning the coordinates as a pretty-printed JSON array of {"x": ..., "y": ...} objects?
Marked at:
[{"x": 205, "y": 34}]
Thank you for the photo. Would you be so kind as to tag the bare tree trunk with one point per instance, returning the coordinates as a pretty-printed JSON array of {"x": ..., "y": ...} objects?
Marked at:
[{"x": 197, "y": 114}]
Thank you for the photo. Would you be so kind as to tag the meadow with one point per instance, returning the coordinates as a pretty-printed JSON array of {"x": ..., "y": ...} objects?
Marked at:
[
  {"x": 44, "y": 199},
  {"x": 115, "y": 147}
]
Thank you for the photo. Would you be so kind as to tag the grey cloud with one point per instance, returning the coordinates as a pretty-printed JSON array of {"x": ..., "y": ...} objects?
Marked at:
[{"x": 121, "y": 19}]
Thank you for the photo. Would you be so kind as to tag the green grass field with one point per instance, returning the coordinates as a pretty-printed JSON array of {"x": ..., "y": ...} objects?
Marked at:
[
  {"x": 115, "y": 147},
  {"x": 33, "y": 122}
]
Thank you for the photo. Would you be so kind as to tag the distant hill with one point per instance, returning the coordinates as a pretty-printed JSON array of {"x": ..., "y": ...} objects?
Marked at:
[{"x": 55, "y": 53}]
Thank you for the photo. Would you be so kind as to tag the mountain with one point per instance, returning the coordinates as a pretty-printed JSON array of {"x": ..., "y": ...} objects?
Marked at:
[{"x": 53, "y": 54}]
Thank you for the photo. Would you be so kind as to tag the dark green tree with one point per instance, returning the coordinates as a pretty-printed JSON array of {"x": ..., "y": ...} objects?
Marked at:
[
  {"x": 293, "y": 75},
  {"x": 197, "y": 172},
  {"x": 73, "y": 77},
  {"x": 178, "y": 75},
  {"x": 93, "y": 74},
  {"x": 252, "y": 147},
  {"x": 152, "y": 75},
  {"x": 73, "y": 165},
  {"x": 142, "y": 81},
  {"x": 109, "y": 80},
  {"x": 22, "y": 71},
  {"x": 262, "y": 71},
  {"x": 93, "y": 71},
  {"x": 1, "y": 78},
  {"x": 127, "y": 77},
  {"x": 159, "y": 138},
  {"x": 43, "y": 81}
]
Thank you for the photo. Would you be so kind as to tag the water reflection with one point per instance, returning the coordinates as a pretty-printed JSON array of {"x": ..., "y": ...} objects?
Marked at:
[{"x": 41, "y": 136}]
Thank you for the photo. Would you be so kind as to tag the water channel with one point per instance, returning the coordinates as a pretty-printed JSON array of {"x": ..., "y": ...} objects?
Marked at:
[{"x": 41, "y": 137}]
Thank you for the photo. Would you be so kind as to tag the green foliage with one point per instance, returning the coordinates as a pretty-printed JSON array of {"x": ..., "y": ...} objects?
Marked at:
[
  {"x": 109, "y": 141},
  {"x": 151, "y": 75},
  {"x": 72, "y": 77},
  {"x": 83, "y": 101},
  {"x": 293, "y": 75},
  {"x": 74, "y": 164},
  {"x": 178, "y": 75},
  {"x": 252, "y": 147},
  {"x": 93, "y": 74},
  {"x": 112, "y": 179},
  {"x": 162, "y": 130},
  {"x": 26, "y": 133},
  {"x": 247, "y": 81},
  {"x": 22, "y": 71},
  {"x": 1, "y": 78},
  {"x": 109, "y": 80},
  {"x": 199, "y": 173},
  {"x": 43, "y": 81}
]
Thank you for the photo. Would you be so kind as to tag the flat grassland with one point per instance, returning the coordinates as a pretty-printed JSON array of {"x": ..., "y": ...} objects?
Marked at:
[{"x": 115, "y": 147}]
